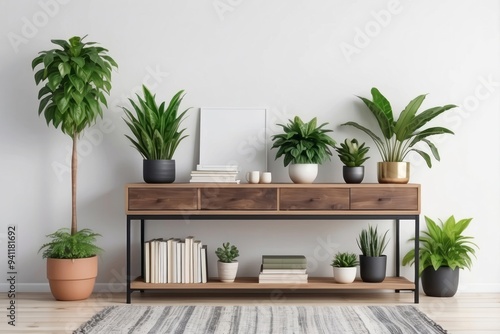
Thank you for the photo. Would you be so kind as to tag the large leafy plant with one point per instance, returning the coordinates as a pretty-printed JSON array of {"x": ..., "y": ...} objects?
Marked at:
[
  {"x": 351, "y": 153},
  {"x": 155, "y": 127},
  {"x": 399, "y": 136},
  {"x": 303, "y": 143},
  {"x": 443, "y": 245},
  {"x": 75, "y": 77},
  {"x": 371, "y": 243}
]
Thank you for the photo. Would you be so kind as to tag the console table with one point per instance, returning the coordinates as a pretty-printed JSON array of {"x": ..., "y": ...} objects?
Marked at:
[{"x": 273, "y": 201}]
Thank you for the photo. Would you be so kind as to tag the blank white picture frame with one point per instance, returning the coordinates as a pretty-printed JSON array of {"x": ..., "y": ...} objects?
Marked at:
[{"x": 234, "y": 136}]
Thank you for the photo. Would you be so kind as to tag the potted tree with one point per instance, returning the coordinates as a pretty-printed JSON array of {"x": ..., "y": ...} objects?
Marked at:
[
  {"x": 156, "y": 134},
  {"x": 352, "y": 156},
  {"x": 443, "y": 251},
  {"x": 303, "y": 146},
  {"x": 400, "y": 136},
  {"x": 227, "y": 266},
  {"x": 75, "y": 79},
  {"x": 372, "y": 261},
  {"x": 344, "y": 267}
]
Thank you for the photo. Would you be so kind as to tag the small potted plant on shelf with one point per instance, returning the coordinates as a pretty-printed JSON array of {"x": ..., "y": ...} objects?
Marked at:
[
  {"x": 156, "y": 134},
  {"x": 372, "y": 261},
  {"x": 303, "y": 146},
  {"x": 399, "y": 136},
  {"x": 344, "y": 267},
  {"x": 443, "y": 251},
  {"x": 76, "y": 78},
  {"x": 227, "y": 266},
  {"x": 352, "y": 156}
]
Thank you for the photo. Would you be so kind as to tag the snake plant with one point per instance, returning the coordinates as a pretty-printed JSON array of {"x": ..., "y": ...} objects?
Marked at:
[
  {"x": 400, "y": 136},
  {"x": 155, "y": 127}
]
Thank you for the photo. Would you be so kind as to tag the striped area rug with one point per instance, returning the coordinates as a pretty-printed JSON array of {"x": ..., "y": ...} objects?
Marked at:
[{"x": 260, "y": 320}]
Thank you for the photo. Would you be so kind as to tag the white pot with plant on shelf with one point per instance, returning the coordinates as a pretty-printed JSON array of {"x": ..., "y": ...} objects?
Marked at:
[
  {"x": 227, "y": 266},
  {"x": 303, "y": 146},
  {"x": 344, "y": 267}
]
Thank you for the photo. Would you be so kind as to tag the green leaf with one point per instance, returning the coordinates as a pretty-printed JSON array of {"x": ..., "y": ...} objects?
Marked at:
[
  {"x": 402, "y": 128},
  {"x": 64, "y": 69}
]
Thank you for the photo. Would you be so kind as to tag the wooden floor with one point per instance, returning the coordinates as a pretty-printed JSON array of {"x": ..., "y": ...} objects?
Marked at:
[{"x": 40, "y": 313}]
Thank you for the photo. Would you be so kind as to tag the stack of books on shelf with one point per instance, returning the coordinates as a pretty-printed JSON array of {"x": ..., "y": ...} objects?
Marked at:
[
  {"x": 215, "y": 174},
  {"x": 175, "y": 260},
  {"x": 283, "y": 269}
]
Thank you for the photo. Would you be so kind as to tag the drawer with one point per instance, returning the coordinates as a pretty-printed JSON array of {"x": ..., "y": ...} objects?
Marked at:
[
  {"x": 314, "y": 199},
  {"x": 162, "y": 199},
  {"x": 385, "y": 198},
  {"x": 238, "y": 199}
]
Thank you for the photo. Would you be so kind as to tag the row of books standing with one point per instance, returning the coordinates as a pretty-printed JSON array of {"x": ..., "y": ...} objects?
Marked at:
[
  {"x": 215, "y": 174},
  {"x": 175, "y": 260},
  {"x": 283, "y": 269}
]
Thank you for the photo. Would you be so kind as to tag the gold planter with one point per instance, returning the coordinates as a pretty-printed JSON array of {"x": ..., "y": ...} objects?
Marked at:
[{"x": 393, "y": 172}]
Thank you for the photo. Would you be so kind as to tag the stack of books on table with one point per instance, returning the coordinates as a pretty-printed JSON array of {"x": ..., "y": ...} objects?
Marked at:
[
  {"x": 283, "y": 269},
  {"x": 215, "y": 174},
  {"x": 175, "y": 260}
]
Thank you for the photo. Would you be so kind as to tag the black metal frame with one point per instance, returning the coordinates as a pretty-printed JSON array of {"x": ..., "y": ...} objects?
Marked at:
[{"x": 201, "y": 216}]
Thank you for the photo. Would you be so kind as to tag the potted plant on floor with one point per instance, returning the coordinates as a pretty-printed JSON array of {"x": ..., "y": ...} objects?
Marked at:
[
  {"x": 400, "y": 136},
  {"x": 227, "y": 266},
  {"x": 352, "y": 156},
  {"x": 344, "y": 267},
  {"x": 156, "y": 134},
  {"x": 76, "y": 78},
  {"x": 443, "y": 251},
  {"x": 303, "y": 146},
  {"x": 372, "y": 261}
]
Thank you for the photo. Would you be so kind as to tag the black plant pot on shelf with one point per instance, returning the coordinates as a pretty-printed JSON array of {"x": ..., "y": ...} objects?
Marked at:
[
  {"x": 372, "y": 269},
  {"x": 440, "y": 283},
  {"x": 158, "y": 171},
  {"x": 353, "y": 174}
]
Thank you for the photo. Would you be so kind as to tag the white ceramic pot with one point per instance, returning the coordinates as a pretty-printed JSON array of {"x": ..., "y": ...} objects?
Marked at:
[
  {"x": 344, "y": 274},
  {"x": 303, "y": 173},
  {"x": 227, "y": 271}
]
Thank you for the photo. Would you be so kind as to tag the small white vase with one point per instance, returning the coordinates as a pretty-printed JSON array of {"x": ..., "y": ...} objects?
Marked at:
[
  {"x": 344, "y": 274},
  {"x": 303, "y": 173},
  {"x": 227, "y": 271}
]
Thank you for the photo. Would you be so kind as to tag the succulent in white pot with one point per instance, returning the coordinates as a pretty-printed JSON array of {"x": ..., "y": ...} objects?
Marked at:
[
  {"x": 344, "y": 267},
  {"x": 227, "y": 266}
]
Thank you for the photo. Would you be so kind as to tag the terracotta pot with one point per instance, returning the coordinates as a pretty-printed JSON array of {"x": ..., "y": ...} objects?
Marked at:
[
  {"x": 393, "y": 172},
  {"x": 72, "y": 279}
]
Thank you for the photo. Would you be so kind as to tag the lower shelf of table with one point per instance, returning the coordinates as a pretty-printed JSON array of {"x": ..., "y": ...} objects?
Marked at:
[{"x": 251, "y": 283}]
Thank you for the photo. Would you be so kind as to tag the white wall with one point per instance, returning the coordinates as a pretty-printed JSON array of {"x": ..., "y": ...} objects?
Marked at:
[{"x": 306, "y": 58}]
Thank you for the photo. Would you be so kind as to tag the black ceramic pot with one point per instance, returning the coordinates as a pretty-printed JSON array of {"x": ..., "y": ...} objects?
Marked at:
[
  {"x": 158, "y": 171},
  {"x": 372, "y": 268},
  {"x": 440, "y": 283},
  {"x": 353, "y": 174}
]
